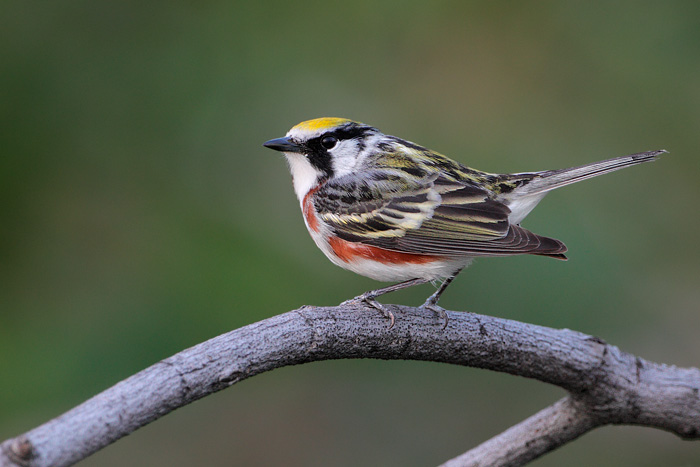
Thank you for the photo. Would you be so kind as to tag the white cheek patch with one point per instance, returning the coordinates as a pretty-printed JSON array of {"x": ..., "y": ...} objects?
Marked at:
[
  {"x": 304, "y": 175},
  {"x": 344, "y": 157},
  {"x": 349, "y": 155}
]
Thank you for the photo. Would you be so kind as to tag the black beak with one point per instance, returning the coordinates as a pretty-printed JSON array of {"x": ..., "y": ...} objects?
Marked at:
[{"x": 282, "y": 144}]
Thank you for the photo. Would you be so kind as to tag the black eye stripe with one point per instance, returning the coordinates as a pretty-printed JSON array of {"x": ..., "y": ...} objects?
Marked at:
[{"x": 352, "y": 131}]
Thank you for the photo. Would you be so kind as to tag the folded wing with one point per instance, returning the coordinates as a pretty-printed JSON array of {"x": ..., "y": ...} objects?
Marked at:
[{"x": 431, "y": 215}]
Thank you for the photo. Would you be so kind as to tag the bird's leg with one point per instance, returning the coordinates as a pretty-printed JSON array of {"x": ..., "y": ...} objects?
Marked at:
[
  {"x": 368, "y": 298},
  {"x": 431, "y": 302}
]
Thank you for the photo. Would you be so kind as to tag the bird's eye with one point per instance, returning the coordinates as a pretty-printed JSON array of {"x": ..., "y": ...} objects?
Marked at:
[{"x": 329, "y": 142}]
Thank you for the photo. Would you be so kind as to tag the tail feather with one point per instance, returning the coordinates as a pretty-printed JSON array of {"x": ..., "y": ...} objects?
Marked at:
[{"x": 551, "y": 179}]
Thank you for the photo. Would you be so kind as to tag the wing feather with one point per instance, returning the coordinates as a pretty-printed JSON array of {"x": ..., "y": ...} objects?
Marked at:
[{"x": 432, "y": 215}]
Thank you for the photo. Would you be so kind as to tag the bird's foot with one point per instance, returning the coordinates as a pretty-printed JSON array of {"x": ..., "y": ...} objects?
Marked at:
[
  {"x": 368, "y": 299},
  {"x": 429, "y": 305}
]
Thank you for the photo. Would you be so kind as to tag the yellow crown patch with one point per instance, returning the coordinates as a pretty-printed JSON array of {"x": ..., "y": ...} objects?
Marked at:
[{"x": 321, "y": 124}]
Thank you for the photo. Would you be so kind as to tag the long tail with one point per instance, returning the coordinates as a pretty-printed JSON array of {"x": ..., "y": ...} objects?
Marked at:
[{"x": 551, "y": 179}]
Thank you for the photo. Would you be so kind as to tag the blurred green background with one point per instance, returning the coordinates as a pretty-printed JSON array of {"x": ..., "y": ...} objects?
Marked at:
[{"x": 140, "y": 214}]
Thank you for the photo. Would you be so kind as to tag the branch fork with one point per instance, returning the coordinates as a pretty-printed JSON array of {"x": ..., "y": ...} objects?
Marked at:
[{"x": 605, "y": 384}]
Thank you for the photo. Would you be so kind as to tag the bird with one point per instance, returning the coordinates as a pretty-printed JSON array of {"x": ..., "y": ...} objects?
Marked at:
[{"x": 394, "y": 211}]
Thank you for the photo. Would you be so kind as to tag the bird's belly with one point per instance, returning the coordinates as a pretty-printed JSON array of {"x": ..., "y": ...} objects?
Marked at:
[
  {"x": 389, "y": 266},
  {"x": 395, "y": 272}
]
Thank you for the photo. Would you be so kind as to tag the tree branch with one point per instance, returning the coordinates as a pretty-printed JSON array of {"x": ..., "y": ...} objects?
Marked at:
[
  {"x": 605, "y": 384},
  {"x": 545, "y": 431}
]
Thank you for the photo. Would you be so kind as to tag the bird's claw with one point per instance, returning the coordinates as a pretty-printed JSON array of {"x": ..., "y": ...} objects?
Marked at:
[
  {"x": 439, "y": 310},
  {"x": 369, "y": 301}
]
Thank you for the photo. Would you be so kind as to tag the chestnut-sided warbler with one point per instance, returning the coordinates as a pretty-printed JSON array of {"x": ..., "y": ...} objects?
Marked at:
[{"x": 391, "y": 210}]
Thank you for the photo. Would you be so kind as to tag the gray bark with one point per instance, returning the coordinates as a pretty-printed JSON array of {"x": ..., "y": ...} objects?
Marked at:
[{"x": 605, "y": 384}]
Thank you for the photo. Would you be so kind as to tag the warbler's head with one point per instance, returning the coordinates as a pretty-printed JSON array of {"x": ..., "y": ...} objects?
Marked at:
[{"x": 323, "y": 148}]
